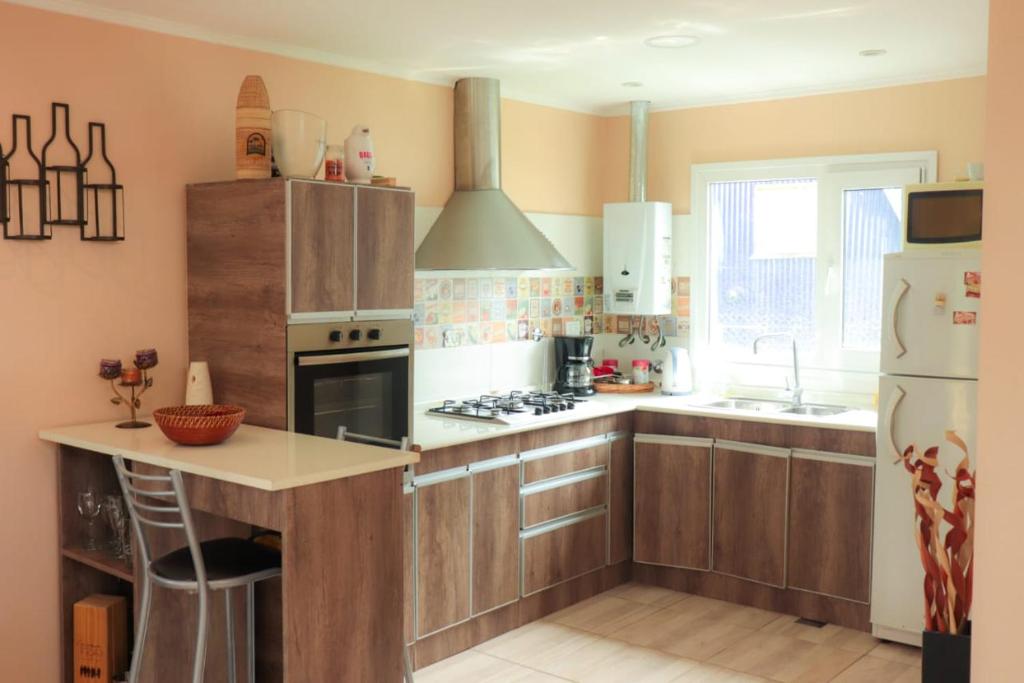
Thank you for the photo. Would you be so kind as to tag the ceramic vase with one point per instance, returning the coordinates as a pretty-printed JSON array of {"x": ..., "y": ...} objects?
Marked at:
[{"x": 198, "y": 389}]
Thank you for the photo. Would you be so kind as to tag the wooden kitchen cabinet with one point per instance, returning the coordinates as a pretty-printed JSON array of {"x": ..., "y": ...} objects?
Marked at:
[
  {"x": 830, "y": 518},
  {"x": 565, "y": 458},
  {"x": 495, "y": 521},
  {"x": 620, "y": 498},
  {"x": 443, "y": 571},
  {"x": 564, "y": 496},
  {"x": 672, "y": 501},
  {"x": 385, "y": 247},
  {"x": 750, "y": 502},
  {"x": 322, "y": 239},
  {"x": 567, "y": 548}
]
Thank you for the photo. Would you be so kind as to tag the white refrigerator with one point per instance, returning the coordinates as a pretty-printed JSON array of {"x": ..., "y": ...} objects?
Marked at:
[{"x": 929, "y": 364}]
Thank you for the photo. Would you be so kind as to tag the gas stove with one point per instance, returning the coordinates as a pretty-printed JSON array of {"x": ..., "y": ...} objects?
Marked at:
[{"x": 515, "y": 407}]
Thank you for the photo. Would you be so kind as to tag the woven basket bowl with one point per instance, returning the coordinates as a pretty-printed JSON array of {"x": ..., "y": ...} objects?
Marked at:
[{"x": 199, "y": 425}]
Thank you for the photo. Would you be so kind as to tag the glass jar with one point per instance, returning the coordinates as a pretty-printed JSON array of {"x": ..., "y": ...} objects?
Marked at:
[
  {"x": 334, "y": 163},
  {"x": 641, "y": 371}
]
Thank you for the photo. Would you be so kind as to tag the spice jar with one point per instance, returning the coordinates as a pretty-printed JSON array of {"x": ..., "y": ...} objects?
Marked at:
[
  {"x": 641, "y": 371},
  {"x": 334, "y": 163}
]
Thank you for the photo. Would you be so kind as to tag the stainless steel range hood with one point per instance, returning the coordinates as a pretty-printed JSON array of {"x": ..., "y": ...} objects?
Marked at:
[{"x": 480, "y": 228}]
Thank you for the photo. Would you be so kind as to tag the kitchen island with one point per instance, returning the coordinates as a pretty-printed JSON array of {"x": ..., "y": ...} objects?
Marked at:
[{"x": 336, "y": 612}]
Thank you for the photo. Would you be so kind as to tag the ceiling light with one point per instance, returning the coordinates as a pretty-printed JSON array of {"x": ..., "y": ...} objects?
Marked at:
[
  {"x": 875, "y": 52},
  {"x": 632, "y": 84},
  {"x": 669, "y": 42}
]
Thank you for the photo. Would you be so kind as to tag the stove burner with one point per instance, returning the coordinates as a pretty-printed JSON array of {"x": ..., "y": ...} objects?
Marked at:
[{"x": 491, "y": 407}]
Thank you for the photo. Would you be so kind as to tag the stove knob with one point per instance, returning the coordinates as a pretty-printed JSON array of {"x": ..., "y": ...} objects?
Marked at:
[
  {"x": 538, "y": 411},
  {"x": 572, "y": 404},
  {"x": 355, "y": 335},
  {"x": 335, "y": 335},
  {"x": 373, "y": 334},
  {"x": 561, "y": 407},
  {"x": 547, "y": 409}
]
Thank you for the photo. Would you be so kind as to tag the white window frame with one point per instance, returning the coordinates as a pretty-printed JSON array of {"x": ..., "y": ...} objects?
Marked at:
[{"x": 830, "y": 172}]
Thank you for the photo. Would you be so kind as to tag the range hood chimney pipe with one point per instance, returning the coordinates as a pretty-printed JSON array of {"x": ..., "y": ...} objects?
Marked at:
[
  {"x": 480, "y": 228},
  {"x": 638, "y": 110}
]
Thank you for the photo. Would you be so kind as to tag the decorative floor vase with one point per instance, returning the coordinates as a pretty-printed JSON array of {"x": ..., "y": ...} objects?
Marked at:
[{"x": 946, "y": 658}]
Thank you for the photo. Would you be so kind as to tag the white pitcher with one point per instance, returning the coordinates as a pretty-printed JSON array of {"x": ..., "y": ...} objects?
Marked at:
[{"x": 359, "y": 163}]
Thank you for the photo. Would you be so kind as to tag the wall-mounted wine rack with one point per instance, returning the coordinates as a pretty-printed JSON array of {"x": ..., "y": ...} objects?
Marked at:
[{"x": 58, "y": 188}]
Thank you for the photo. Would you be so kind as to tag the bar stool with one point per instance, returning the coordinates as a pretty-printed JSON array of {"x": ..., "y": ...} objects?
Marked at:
[
  {"x": 198, "y": 567},
  {"x": 343, "y": 435}
]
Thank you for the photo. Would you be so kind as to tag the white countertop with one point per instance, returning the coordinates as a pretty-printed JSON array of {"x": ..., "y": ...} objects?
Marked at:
[
  {"x": 432, "y": 431},
  {"x": 262, "y": 458}
]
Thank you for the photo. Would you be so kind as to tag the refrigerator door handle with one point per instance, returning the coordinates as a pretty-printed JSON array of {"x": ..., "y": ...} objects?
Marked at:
[
  {"x": 895, "y": 399},
  {"x": 903, "y": 286}
]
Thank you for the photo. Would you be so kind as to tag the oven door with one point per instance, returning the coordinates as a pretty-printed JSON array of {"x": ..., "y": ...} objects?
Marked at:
[{"x": 364, "y": 391}]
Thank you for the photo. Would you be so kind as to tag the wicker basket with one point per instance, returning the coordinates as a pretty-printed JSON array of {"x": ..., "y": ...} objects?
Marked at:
[{"x": 199, "y": 425}]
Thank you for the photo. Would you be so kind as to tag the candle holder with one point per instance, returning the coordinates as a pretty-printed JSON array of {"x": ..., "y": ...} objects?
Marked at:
[{"x": 132, "y": 378}]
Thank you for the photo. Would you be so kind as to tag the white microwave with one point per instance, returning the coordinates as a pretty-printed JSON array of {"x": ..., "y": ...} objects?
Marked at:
[{"x": 942, "y": 214}]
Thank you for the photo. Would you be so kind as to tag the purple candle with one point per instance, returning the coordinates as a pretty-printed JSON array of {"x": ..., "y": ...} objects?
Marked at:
[
  {"x": 145, "y": 359},
  {"x": 110, "y": 369}
]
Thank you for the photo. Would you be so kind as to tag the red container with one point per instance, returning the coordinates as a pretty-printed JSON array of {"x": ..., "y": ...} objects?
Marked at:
[{"x": 199, "y": 425}]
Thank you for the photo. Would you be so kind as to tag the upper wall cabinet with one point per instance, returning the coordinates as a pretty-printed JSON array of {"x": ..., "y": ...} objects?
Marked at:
[
  {"x": 385, "y": 247},
  {"x": 322, "y": 238},
  {"x": 342, "y": 250}
]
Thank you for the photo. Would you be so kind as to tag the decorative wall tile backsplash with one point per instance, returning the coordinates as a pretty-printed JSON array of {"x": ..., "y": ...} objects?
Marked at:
[{"x": 487, "y": 310}]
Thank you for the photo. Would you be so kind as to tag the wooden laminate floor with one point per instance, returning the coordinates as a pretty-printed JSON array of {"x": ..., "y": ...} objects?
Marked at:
[{"x": 637, "y": 633}]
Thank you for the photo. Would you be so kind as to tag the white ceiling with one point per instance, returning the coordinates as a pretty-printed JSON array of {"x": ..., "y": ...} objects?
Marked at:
[{"x": 577, "y": 53}]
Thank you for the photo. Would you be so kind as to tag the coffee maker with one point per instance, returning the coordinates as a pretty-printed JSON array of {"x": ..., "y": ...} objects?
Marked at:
[{"x": 575, "y": 369}]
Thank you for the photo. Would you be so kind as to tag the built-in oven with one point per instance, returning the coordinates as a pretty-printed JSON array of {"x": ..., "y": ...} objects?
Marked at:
[{"x": 355, "y": 377}]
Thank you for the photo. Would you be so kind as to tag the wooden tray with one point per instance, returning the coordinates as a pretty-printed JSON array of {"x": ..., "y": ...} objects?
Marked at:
[{"x": 611, "y": 388}]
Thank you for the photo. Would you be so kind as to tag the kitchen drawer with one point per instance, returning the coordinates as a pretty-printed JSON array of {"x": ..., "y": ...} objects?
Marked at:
[
  {"x": 565, "y": 458},
  {"x": 563, "y": 550},
  {"x": 554, "y": 498}
]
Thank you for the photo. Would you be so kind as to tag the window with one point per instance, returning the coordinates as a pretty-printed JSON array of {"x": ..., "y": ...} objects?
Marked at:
[
  {"x": 763, "y": 259},
  {"x": 797, "y": 247},
  {"x": 871, "y": 228}
]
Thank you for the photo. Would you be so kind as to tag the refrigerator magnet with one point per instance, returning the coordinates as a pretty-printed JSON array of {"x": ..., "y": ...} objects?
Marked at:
[
  {"x": 972, "y": 282},
  {"x": 965, "y": 318}
]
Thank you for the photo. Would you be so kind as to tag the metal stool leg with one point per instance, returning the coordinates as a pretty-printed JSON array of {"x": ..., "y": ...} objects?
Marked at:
[
  {"x": 408, "y": 663},
  {"x": 232, "y": 654},
  {"x": 140, "y": 636},
  {"x": 250, "y": 630},
  {"x": 199, "y": 665}
]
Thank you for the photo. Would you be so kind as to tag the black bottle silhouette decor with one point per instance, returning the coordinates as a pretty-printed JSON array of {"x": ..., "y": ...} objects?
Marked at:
[
  {"x": 25, "y": 187},
  {"x": 104, "y": 196},
  {"x": 63, "y": 164}
]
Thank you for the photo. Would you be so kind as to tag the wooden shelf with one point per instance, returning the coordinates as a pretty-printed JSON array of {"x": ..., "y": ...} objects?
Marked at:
[{"x": 102, "y": 560}]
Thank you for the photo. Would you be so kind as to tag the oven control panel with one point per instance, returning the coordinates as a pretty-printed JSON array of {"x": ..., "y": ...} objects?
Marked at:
[
  {"x": 356, "y": 334},
  {"x": 349, "y": 335}
]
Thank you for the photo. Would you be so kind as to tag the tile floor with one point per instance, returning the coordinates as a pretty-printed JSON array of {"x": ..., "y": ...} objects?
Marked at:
[{"x": 637, "y": 633}]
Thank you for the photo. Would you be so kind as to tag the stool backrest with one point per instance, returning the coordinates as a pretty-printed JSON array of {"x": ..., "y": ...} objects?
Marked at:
[{"x": 158, "y": 502}]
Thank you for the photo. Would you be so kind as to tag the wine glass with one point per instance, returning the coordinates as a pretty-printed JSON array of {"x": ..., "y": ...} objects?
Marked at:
[{"x": 89, "y": 508}]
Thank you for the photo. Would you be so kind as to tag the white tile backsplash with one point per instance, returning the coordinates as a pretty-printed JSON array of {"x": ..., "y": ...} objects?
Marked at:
[{"x": 472, "y": 370}]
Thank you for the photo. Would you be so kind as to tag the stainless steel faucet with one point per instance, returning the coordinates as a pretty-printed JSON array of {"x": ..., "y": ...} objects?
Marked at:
[{"x": 798, "y": 391}]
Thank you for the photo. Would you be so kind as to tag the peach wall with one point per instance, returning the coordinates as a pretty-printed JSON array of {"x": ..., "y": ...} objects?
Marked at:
[
  {"x": 169, "y": 105},
  {"x": 947, "y": 116},
  {"x": 552, "y": 159},
  {"x": 998, "y": 596}
]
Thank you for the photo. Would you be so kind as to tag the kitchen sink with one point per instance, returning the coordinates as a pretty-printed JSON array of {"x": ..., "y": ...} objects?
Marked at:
[
  {"x": 817, "y": 411},
  {"x": 747, "y": 404}
]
